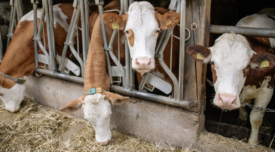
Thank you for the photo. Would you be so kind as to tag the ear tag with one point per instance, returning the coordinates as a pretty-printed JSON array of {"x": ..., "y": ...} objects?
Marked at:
[
  {"x": 265, "y": 64},
  {"x": 115, "y": 26},
  {"x": 200, "y": 56},
  {"x": 169, "y": 23}
]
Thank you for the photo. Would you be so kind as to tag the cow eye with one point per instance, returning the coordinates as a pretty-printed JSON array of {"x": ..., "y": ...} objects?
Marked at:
[
  {"x": 212, "y": 62},
  {"x": 127, "y": 32},
  {"x": 157, "y": 31},
  {"x": 248, "y": 66}
]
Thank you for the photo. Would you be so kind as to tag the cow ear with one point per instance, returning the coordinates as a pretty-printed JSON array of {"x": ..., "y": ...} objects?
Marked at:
[
  {"x": 167, "y": 20},
  {"x": 114, "y": 21},
  {"x": 262, "y": 60},
  {"x": 115, "y": 99},
  {"x": 199, "y": 53},
  {"x": 73, "y": 106}
]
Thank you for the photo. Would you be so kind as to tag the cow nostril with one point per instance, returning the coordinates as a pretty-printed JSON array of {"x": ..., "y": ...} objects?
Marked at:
[{"x": 137, "y": 63}]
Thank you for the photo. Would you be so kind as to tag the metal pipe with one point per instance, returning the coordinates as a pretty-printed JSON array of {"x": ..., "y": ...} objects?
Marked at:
[
  {"x": 127, "y": 64},
  {"x": 52, "y": 56},
  {"x": 35, "y": 33},
  {"x": 12, "y": 22},
  {"x": 152, "y": 97},
  {"x": 1, "y": 46},
  {"x": 20, "y": 10},
  {"x": 262, "y": 32},
  {"x": 84, "y": 32},
  {"x": 121, "y": 7},
  {"x": 60, "y": 76},
  {"x": 179, "y": 92},
  {"x": 65, "y": 49},
  {"x": 87, "y": 33},
  {"x": 105, "y": 44}
]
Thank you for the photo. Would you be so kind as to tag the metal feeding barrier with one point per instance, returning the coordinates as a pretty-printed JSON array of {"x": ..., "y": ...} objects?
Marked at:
[{"x": 122, "y": 78}]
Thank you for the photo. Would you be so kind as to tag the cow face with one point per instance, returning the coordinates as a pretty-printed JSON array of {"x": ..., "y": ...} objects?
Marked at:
[
  {"x": 142, "y": 26},
  {"x": 97, "y": 110},
  {"x": 230, "y": 59},
  {"x": 12, "y": 97}
]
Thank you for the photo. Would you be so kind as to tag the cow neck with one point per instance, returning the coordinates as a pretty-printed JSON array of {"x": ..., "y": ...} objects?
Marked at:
[
  {"x": 258, "y": 75},
  {"x": 19, "y": 60},
  {"x": 95, "y": 74}
]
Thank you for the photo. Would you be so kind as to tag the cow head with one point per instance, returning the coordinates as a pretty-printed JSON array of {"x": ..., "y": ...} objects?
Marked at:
[
  {"x": 142, "y": 26},
  {"x": 97, "y": 110},
  {"x": 11, "y": 94},
  {"x": 231, "y": 59}
]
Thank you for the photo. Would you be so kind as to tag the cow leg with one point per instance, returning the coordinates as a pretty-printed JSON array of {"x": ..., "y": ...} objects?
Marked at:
[
  {"x": 256, "y": 116},
  {"x": 242, "y": 120}
]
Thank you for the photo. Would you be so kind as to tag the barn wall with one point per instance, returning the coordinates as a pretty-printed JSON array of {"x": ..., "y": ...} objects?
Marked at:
[{"x": 150, "y": 121}]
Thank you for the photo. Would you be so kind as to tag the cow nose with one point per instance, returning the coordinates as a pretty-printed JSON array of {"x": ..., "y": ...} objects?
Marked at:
[
  {"x": 104, "y": 143},
  {"x": 227, "y": 99},
  {"x": 143, "y": 61}
]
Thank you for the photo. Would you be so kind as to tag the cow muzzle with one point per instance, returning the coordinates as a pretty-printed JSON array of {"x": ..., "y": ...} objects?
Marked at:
[
  {"x": 143, "y": 64},
  {"x": 227, "y": 101}
]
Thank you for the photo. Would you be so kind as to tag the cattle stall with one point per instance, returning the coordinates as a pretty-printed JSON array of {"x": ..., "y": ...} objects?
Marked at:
[{"x": 160, "y": 112}]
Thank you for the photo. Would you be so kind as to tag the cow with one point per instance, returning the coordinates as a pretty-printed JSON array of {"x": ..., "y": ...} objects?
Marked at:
[
  {"x": 18, "y": 60},
  {"x": 142, "y": 26},
  {"x": 242, "y": 70}
]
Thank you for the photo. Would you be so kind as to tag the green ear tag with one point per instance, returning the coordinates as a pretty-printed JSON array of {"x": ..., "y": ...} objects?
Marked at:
[
  {"x": 92, "y": 91},
  {"x": 115, "y": 26},
  {"x": 265, "y": 64},
  {"x": 200, "y": 56}
]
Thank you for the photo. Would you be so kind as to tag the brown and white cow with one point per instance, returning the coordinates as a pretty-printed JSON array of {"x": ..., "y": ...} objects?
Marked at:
[
  {"x": 19, "y": 57},
  {"x": 142, "y": 25},
  {"x": 242, "y": 69}
]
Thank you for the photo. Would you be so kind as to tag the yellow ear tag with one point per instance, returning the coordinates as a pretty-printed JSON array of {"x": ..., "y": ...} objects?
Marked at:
[
  {"x": 265, "y": 64},
  {"x": 169, "y": 23},
  {"x": 200, "y": 56},
  {"x": 115, "y": 26}
]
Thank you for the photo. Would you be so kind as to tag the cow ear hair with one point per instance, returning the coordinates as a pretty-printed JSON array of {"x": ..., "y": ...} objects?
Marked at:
[
  {"x": 167, "y": 20},
  {"x": 73, "y": 106},
  {"x": 114, "y": 21},
  {"x": 262, "y": 60},
  {"x": 115, "y": 99},
  {"x": 199, "y": 53}
]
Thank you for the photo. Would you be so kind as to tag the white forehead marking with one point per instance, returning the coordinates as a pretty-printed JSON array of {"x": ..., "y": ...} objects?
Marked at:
[
  {"x": 231, "y": 49},
  {"x": 141, "y": 15},
  {"x": 59, "y": 17}
]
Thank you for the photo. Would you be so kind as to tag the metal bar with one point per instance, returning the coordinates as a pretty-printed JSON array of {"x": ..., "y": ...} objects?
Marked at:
[
  {"x": 20, "y": 10},
  {"x": 60, "y": 76},
  {"x": 262, "y": 32},
  {"x": 1, "y": 46},
  {"x": 84, "y": 32},
  {"x": 87, "y": 33},
  {"x": 52, "y": 39},
  {"x": 12, "y": 22},
  {"x": 162, "y": 34},
  {"x": 78, "y": 59},
  {"x": 132, "y": 77},
  {"x": 127, "y": 64},
  {"x": 152, "y": 97},
  {"x": 104, "y": 37},
  {"x": 65, "y": 49},
  {"x": 35, "y": 32},
  {"x": 171, "y": 51},
  {"x": 182, "y": 51}
]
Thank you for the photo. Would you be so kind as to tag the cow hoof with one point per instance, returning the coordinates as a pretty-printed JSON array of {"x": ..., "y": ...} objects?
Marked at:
[{"x": 241, "y": 122}]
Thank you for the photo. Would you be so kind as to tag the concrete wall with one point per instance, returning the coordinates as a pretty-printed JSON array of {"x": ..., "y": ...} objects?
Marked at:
[{"x": 150, "y": 121}]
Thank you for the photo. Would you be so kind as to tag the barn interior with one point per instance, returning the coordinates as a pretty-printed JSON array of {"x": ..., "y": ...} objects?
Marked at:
[
  {"x": 229, "y": 12},
  {"x": 224, "y": 12}
]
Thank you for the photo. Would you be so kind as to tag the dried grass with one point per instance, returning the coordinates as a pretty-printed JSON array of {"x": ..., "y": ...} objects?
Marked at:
[{"x": 37, "y": 128}]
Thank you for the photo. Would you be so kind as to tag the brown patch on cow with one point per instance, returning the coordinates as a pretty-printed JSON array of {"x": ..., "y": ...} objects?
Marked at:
[
  {"x": 193, "y": 50},
  {"x": 67, "y": 10},
  {"x": 257, "y": 75},
  {"x": 131, "y": 37},
  {"x": 258, "y": 123},
  {"x": 214, "y": 74}
]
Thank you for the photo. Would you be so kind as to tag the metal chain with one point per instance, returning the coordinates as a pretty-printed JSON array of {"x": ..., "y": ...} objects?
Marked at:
[
  {"x": 258, "y": 108},
  {"x": 249, "y": 105}
]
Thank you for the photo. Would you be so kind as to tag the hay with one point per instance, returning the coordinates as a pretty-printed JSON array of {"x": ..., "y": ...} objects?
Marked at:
[{"x": 38, "y": 128}]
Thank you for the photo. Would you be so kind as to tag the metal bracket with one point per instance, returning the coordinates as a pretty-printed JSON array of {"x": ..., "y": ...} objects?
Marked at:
[
  {"x": 158, "y": 55},
  {"x": 155, "y": 82},
  {"x": 69, "y": 65},
  {"x": 108, "y": 49}
]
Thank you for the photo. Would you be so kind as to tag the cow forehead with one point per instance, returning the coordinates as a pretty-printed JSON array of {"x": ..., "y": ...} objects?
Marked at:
[
  {"x": 231, "y": 49},
  {"x": 141, "y": 15}
]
